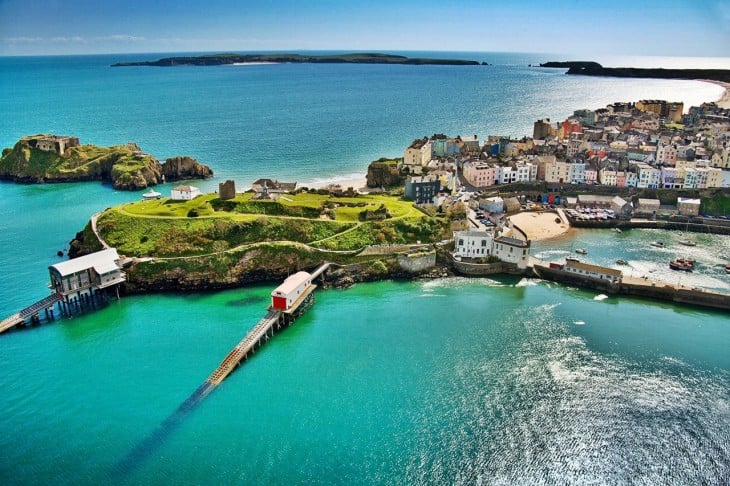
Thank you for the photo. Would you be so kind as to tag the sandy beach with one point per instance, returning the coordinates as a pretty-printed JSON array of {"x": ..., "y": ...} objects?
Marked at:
[
  {"x": 358, "y": 183},
  {"x": 539, "y": 226},
  {"x": 724, "y": 101}
]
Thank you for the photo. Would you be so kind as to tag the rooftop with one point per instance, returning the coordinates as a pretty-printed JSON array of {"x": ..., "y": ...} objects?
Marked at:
[
  {"x": 292, "y": 282},
  {"x": 100, "y": 261},
  {"x": 594, "y": 268}
]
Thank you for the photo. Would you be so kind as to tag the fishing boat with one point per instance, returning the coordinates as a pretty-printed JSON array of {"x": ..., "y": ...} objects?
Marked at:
[
  {"x": 687, "y": 242},
  {"x": 574, "y": 259},
  {"x": 582, "y": 251},
  {"x": 621, "y": 261},
  {"x": 658, "y": 244},
  {"x": 680, "y": 265}
]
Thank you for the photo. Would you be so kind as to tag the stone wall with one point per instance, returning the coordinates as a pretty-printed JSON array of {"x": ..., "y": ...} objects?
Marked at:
[
  {"x": 417, "y": 262},
  {"x": 477, "y": 269}
]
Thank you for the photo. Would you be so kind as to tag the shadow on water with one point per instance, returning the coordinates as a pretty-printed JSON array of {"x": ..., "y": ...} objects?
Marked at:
[{"x": 124, "y": 468}]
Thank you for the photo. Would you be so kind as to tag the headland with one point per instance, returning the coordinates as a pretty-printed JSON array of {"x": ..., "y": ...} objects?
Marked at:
[
  {"x": 590, "y": 68},
  {"x": 354, "y": 58}
]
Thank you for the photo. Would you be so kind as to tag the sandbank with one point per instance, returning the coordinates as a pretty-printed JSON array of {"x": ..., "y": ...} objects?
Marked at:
[{"x": 540, "y": 226}]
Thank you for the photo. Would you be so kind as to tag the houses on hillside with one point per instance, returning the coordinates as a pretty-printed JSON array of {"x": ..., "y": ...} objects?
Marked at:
[{"x": 648, "y": 144}]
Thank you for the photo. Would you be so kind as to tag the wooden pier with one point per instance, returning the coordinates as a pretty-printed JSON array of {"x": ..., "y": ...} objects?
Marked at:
[
  {"x": 264, "y": 330},
  {"x": 33, "y": 312}
]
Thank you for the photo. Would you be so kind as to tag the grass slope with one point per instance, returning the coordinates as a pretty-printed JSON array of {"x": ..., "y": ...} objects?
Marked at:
[{"x": 208, "y": 225}]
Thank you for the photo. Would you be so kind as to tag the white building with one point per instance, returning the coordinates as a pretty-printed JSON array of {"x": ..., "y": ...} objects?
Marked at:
[
  {"x": 648, "y": 177},
  {"x": 87, "y": 274},
  {"x": 593, "y": 271},
  {"x": 482, "y": 244},
  {"x": 492, "y": 204},
  {"x": 184, "y": 193},
  {"x": 473, "y": 244},
  {"x": 512, "y": 250}
]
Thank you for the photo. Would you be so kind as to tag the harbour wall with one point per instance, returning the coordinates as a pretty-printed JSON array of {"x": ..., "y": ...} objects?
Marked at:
[
  {"x": 637, "y": 288},
  {"x": 479, "y": 269}
]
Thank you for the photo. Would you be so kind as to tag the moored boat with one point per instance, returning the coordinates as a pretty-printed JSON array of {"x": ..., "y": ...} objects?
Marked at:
[
  {"x": 617, "y": 230},
  {"x": 687, "y": 242},
  {"x": 621, "y": 261},
  {"x": 658, "y": 244},
  {"x": 681, "y": 264},
  {"x": 582, "y": 251}
]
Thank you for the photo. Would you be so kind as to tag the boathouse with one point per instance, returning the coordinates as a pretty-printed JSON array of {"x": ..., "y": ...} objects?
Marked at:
[
  {"x": 294, "y": 287},
  {"x": 87, "y": 275}
]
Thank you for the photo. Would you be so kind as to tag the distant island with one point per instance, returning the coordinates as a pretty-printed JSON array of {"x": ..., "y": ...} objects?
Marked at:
[
  {"x": 589, "y": 68},
  {"x": 355, "y": 58},
  {"x": 55, "y": 158}
]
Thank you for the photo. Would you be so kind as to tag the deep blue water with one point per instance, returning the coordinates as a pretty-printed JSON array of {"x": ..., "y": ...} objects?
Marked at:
[{"x": 447, "y": 381}]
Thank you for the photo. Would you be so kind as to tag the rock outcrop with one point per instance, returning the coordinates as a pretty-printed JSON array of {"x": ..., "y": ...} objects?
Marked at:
[
  {"x": 384, "y": 173},
  {"x": 34, "y": 159},
  {"x": 184, "y": 167}
]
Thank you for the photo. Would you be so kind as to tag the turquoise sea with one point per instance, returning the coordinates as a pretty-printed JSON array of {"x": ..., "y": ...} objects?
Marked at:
[{"x": 506, "y": 380}]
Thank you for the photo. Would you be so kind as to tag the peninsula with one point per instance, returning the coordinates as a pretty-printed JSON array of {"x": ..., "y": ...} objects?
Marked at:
[
  {"x": 354, "y": 58},
  {"x": 55, "y": 158},
  {"x": 589, "y": 68}
]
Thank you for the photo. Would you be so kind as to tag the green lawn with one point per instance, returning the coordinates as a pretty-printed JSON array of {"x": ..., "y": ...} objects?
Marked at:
[{"x": 206, "y": 225}]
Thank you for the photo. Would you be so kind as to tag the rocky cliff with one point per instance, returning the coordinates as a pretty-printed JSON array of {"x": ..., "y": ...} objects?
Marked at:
[
  {"x": 126, "y": 167},
  {"x": 384, "y": 173},
  {"x": 185, "y": 167}
]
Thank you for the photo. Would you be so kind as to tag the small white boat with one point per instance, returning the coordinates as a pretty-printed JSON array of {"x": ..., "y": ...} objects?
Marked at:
[
  {"x": 151, "y": 195},
  {"x": 582, "y": 251},
  {"x": 617, "y": 230},
  {"x": 571, "y": 259},
  {"x": 621, "y": 261},
  {"x": 658, "y": 244},
  {"x": 687, "y": 242}
]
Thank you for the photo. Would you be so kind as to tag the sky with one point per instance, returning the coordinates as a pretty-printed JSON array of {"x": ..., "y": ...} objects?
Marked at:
[{"x": 581, "y": 27}]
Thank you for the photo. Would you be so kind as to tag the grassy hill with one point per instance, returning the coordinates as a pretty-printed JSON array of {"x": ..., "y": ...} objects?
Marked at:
[{"x": 208, "y": 225}]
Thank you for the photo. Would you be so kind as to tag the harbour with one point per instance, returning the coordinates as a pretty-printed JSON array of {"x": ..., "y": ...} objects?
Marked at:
[{"x": 502, "y": 384}]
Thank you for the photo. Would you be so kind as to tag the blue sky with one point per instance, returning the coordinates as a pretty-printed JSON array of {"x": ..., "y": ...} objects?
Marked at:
[{"x": 581, "y": 27}]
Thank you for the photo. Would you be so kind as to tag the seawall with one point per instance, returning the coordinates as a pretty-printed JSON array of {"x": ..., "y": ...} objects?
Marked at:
[{"x": 638, "y": 288}]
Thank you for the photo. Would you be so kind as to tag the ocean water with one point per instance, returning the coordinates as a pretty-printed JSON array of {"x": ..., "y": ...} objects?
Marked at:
[{"x": 447, "y": 381}]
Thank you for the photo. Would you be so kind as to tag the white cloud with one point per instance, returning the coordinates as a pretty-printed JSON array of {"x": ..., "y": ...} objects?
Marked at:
[
  {"x": 68, "y": 40},
  {"x": 22, "y": 40},
  {"x": 120, "y": 38}
]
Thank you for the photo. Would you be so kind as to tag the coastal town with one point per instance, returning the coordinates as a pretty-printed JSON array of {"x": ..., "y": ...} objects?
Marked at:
[
  {"x": 595, "y": 169},
  {"x": 649, "y": 144}
]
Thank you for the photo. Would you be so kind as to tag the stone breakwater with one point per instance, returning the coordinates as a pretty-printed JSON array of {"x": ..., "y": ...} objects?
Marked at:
[{"x": 637, "y": 287}]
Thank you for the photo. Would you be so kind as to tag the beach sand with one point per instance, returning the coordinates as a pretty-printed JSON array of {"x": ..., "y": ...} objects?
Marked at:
[
  {"x": 724, "y": 101},
  {"x": 357, "y": 183},
  {"x": 539, "y": 226}
]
